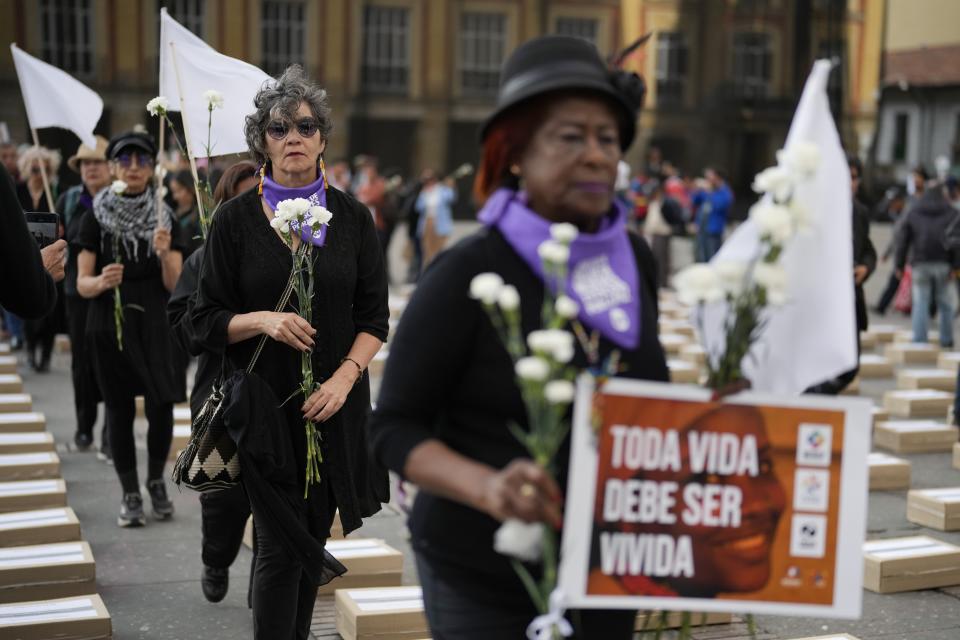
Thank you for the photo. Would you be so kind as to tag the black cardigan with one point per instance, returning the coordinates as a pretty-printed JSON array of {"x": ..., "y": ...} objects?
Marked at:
[
  {"x": 245, "y": 268},
  {"x": 26, "y": 289},
  {"x": 450, "y": 378}
]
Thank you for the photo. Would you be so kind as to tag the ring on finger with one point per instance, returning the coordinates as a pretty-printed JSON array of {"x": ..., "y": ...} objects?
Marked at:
[{"x": 527, "y": 490}]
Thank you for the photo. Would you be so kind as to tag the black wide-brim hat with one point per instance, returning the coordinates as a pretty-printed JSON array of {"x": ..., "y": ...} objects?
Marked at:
[
  {"x": 562, "y": 63},
  {"x": 132, "y": 141}
]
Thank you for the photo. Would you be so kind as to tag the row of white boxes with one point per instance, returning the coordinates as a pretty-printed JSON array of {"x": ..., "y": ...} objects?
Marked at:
[{"x": 47, "y": 572}]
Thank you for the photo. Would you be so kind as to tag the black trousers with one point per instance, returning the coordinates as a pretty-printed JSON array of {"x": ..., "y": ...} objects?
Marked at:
[
  {"x": 455, "y": 615},
  {"x": 223, "y": 515},
  {"x": 86, "y": 391},
  {"x": 159, "y": 436}
]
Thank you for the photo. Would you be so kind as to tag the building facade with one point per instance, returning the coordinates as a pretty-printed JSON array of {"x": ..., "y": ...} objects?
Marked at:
[{"x": 411, "y": 80}]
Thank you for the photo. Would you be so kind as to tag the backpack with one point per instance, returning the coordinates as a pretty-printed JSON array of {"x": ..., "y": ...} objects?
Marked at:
[{"x": 951, "y": 235}]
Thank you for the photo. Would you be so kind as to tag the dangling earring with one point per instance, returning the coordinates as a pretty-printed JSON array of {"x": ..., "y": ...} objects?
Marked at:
[
  {"x": 323, "y": 173},
  {"x": 263, "y": 172}
]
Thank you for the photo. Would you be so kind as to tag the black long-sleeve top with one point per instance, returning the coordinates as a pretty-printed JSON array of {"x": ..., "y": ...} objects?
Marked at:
[
  {"x": 26, "y": 289},
  {"x": 179, "y": 310},
  {"x": 246, "y": 267},
  {"x": 450, "y": 378}
]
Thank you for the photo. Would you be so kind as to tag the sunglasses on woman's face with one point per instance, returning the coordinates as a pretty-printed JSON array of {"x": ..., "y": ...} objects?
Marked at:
[
  {"x": 307, "y": 128},
  {"x": 127, "y": 160}
]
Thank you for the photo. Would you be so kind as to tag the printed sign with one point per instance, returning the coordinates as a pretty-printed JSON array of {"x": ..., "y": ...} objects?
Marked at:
[{"x": 753, "y": 504}]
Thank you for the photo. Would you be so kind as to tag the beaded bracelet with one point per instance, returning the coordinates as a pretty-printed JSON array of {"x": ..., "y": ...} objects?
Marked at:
[{"x": 357, "y": 365}]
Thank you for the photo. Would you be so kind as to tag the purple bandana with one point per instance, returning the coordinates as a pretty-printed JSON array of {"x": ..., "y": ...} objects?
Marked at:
[
  {"x": 602, "y": 275},
  {"x": 315, "y": 192}
]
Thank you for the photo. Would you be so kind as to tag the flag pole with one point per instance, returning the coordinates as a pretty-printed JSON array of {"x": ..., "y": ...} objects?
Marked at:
[
  {"x": 160, "y": 168},
  {"x": 186, "y": 131},
  {"x": 43, "y": 172}
]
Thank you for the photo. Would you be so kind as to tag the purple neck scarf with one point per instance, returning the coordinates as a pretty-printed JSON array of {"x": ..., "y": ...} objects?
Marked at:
[
  {"x": 315, "y": 192},
  {"x": 602, "y": 275}
]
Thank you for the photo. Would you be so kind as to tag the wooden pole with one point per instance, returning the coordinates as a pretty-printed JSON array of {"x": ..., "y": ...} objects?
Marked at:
[
  {"x": 160, "y": 169},
  {"x": 186, "y": 131},
  {"x": 43, "y": 172}
]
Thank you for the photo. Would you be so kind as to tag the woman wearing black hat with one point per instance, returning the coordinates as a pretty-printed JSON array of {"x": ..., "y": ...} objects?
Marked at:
[
  {"x": 125, "y": 217},
  {"x": 550, "y": 154}
]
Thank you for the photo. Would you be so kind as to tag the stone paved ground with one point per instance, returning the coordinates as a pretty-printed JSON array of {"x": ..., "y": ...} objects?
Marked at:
[{"x": 149, "y": 578}]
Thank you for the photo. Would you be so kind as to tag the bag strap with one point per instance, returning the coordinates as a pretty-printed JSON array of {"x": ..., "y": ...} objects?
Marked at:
[{"x": 281, "y": 304}]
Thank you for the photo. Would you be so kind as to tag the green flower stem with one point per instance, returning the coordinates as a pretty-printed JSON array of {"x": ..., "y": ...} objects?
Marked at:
[{"x": 117, "y": 302}]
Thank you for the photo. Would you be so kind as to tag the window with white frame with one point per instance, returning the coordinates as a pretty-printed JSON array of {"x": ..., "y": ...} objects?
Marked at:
[
  {"x": 385, "y": 66},
  {"x": 671, "y": 68},
  {"x": 66, "y": 31},
  {"x": 752, "y": 64},
  {"x": 282, "y": 28},
  {"x": 483, "y": 40},
  {"x": 585, "y": 28},
  {"x": 189, "y": 13}
]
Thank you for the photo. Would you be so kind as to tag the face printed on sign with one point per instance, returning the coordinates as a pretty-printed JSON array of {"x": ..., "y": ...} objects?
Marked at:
[{"x": 693, "y": 510}]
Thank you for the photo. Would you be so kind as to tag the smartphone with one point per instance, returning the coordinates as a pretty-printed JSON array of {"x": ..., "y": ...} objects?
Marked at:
[{"x": 44, "y": 227}]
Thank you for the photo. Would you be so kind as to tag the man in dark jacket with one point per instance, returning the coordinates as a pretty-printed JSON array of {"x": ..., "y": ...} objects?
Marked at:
[{"x": 932, "y": 264}]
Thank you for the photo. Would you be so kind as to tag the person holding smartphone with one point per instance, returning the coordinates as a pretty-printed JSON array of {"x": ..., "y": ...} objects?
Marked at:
[{"x": 132, "y": 248}]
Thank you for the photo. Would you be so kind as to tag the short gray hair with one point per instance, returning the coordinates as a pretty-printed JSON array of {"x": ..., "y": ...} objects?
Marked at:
[{"x": 279, "y": 101}]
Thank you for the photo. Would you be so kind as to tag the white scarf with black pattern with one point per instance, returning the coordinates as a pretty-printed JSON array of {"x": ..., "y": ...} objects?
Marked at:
[{"x": 130, "y": 218}]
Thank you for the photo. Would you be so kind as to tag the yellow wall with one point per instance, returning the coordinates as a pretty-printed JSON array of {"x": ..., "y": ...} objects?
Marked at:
[{"x": 912, "y": 24}]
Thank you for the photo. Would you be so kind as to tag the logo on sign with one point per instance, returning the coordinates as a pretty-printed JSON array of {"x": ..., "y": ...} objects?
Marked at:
[
  {"x": 808, "y": 536},
  {"x": 814, "y": 442},
  {"x": 811, "y": 489}
]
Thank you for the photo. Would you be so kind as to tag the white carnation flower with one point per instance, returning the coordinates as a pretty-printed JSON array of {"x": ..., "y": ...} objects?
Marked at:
[
  {"x": 553, "y": 252},
  {"x": 213, "y": 99},
  {"x": 732, "y": 275},
  {"x": 773, "y": 279},
  {"x": 567, "y": 307},
  {"x": 320, "y": 215},
  {"x": 158, "y": 106},
  {"x": 550, "y": 341},
  {"x": 509, "y": 298},
  {"x": 564, "y": 232},
  {"x": 802, "y": 220},
  {"x": 486, "y": 287},
  {"x": 777, "y": 181},
  {"x": 280, "y": 224},
  {"x": 520, "y": 540},
  {"x": 698, "y": 283},
  {"x": 532, "y": 368},
  {"x": 800, "y": 157},
  {"x": 118, "y": 187},
  {"x": 293, "y": 209},
  {"x": 773, "y": 220},
  {"x": 559, "y": 392}
]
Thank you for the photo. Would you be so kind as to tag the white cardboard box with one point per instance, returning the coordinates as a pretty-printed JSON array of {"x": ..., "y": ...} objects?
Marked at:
[
  {"x": 26, "y": 442},
  {"x": 927, "y": 379},
  {"x": 852, "y": 389},
  {"x": 11, "y": 383},
  {"x": 39, "y": 526},
  {"x": 935, "y": 508},
  {"x": 392, "y": 613},
  {"x": 29, "y": 466},
  {"x": 949, "y": 360},
  {"x": 20, "y": 422},
  {"x": 914, "y": 436},
  {"x": 181, "y": 436},
  {"x": 379, "y": 362},
  {"x": 683, "y": 372},
  {"x": 369, "y": 563},
  {"x": 910, "y": 564},
  {"x": 956, "y": 455},
  {"x": 917, "y": 403},
  {"x": 41, "y": 572},
  {"x": 82, "y": 617},
  {"x": 15, "y": 402},
  {"x": 650, "y": 622},
  {"x": 874, "y": 366},
  {"x": 906, "y": 336},
  {"x": 888, "y": 472},
  {"x": 695, "y": 354},
  {"x": 832, "y": 636},
  {"x": 8, "y": 364},
  {"x": 911, "y": 353},
  {"x": 880, "y": 415},
  {"x": 673, "y": 342},
  {"x": 868, "y": 341},
  {"x": 883, "y": 333},
  {"x": 26, "y": 495}
]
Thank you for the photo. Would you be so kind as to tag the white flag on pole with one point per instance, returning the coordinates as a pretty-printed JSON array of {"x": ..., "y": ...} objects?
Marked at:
[
  {"x": 813, "y": 337},
  {"x": 54, "y": 98},
  {"x": 201, "y": 67}
]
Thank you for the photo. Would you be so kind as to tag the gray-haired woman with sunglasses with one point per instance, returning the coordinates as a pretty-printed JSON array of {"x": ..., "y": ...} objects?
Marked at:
[{"x": 245, "y": 270}]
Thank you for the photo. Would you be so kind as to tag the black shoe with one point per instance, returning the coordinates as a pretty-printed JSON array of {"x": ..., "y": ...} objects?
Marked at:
[
  {"x": 162, "y": 505},
  {"x": 83, "y": 440},
  {"x": 215, "y": 583},
  {"x": 131, "y": 511}
]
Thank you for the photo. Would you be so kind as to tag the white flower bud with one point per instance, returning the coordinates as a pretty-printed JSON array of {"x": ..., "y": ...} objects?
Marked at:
[
  {"x": 486, "y": 287},
  {"x": 774, "y": 180},
  {"x": 213, "y": 99},
  {"x": 550, "y": 342},
  {"x": 158, "y": 106},
  {"x": 801, "y": 157},
  {"x": 567, "y": 307},
  {"x": 773, "y": 279},
  {"x": 320, "y": 215},
  {"x": 773, "y": 221},
  {"x": 520, "y": 540},
  {"x": 732, "y": 275},
  {"x": 559, "y": 392},
  {"x": 563, "y": 232},
  {"x": 553, "y": 252},
  {"x": 509, "y": 298},
  {"x": 532, "y": 369},
  {"x": 118, "y": 187},
  {"x": 697, "y": 284}
]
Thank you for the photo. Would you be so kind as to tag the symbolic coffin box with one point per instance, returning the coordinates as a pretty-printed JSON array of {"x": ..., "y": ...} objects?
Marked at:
[
  {"x": 673, "y": 342},
  {"x": 11, "y": 383},
  {"x": 77, "y": 618},
  {"x": 181, "y": 436},
  {"x": 8, "y": 364},
  {"x": 29, "y": 442},
  {"x": 4, "y": 347},
  {"x": 880, "y": 415},
  {"x": 927, "y": 379},
  {"x": 46, "y": 571},
  {"x": 832, "y": 636},
  {"x": 20, "y": 422},
  {"x": 26, "y": 495},
  {"x": 912, "y": 353},
  {"x": 29, "y": 466},
  {"x": 39, "y": 526},
  {"x": 935, "y": 508},
  {"x": 694, "y": 353},
  {"x": 683, "y": 372},
  {"x": 888, "y": 472},
  {"x": 336, "y": 530},
  {"x": 904, "y": 336},
  {"x": 956, "y": 455},
  {"x": 393, "y": 613},
  {"x": 914, "y": 436},
  {"x": 916, "y": 403},
  {"x": 181, "y": 415},
  {"x": 15, "y": 402},
  {"x": 873, "y": 366},
  {"x": 650, "y": 622},
  {"x": 883, "y": 332},
  {"x": 910, "y": 564},
  {"x": 853, "y": 388},
  {"x": 61, "y": 343},
  {"x": 379, "y": 362},
  {"x": 369, "y": 563},
  {"x": 949, "y": 361},
  {"x": 867, "y": 340}
]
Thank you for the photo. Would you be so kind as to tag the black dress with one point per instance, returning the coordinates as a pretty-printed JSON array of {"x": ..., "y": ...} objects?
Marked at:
[
  {"x": 245, "y": 269},
  {"x": 145, "y": 365}
]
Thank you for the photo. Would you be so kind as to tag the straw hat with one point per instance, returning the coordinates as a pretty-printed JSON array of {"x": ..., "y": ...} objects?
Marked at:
[{"x": 86, "y": 153}]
